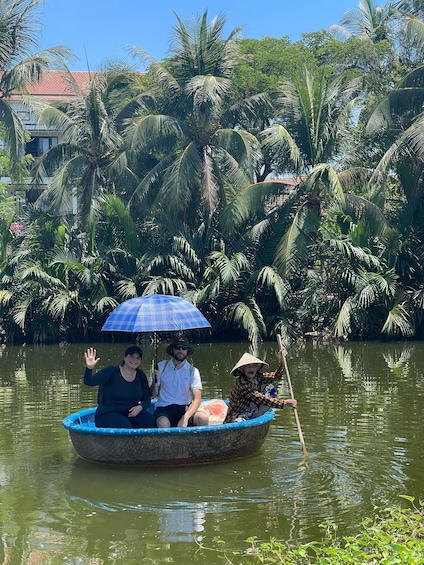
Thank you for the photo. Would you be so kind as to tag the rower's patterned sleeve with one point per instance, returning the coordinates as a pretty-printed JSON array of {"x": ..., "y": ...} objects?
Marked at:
[
  {"x": 273, "y": 377},
  {"x": 268, "y": 400},
  {"x": 243, "y": 393}
]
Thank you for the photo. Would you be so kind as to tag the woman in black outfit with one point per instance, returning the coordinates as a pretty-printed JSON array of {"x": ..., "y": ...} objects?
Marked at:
[{"x": 124, "y": 395}]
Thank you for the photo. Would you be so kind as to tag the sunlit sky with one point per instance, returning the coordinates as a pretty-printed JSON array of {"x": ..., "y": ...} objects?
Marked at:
[{"x": 98, "y": 31}]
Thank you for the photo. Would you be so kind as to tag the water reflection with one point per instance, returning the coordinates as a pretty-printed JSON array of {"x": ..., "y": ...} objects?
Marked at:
[
  {"x": 116, "y": 490},
  {"x": 178, "y": 505},
  {"x": 215, "y": 488},
  {"x": 361, "y": 408}
]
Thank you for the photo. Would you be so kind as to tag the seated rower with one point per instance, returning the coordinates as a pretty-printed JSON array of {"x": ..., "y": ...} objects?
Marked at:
[{"x": 253, "y": 392}]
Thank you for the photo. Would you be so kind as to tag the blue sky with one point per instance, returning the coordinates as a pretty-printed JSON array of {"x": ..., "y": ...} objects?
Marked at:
[{"x": 99, "y": 30}]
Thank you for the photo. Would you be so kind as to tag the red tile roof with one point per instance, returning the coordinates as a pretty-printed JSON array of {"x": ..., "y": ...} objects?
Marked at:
[
  {"x": 54, "y": 86},
  {"x": 288, "y": 181}
]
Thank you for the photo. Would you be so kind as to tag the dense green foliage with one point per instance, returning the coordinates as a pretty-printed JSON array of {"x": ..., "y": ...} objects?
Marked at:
[
  {"x": 393, "y": 536},
  {"x": 277, "y": 186}
]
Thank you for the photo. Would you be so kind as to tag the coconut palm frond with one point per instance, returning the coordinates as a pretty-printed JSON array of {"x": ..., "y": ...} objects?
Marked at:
[
  {"x": 279, "y": 143},
  {"x": 207, "y": 92},
  {"x": 360, "y": 254},
  {"x": 343, "y": 321},
  {"x": 293, "y": 250},
  {"x": 164, "y": 285},
  {"x": 155, "y": 131},
  {"x": 415, "y": 31},
  {"x": 251, "y": 202},
  {"x": 247, "y": 316},
  {"x": 184, "y": 173},
  {"x": 209, "y": 182},
  {"x": 324, "y": 170},
  {"x": 398, "y": 322},
  {"x": 229, "y": 268},
  {"x": 268, "y": 278},
  {"x": 13, "y": 131},
  {"x": 115, "y": 207},
  {"x": 231, "y": 175},
  {"x": 146, "y": 190},
  {"x": 59, "y": 194},
  {"x": 242, "y": 145}
]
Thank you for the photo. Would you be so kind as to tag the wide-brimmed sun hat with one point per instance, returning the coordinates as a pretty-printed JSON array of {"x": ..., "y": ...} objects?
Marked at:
[
  {"x": 180, "y": 341},
  {"x": 247, "y": 359}
]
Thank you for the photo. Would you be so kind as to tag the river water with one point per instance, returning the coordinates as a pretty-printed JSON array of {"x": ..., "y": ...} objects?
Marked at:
[{"x": 361, "y": 410}]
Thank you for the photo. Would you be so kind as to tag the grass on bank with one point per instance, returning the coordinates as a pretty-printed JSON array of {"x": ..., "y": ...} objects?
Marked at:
[{"x": 393, "y": 536}]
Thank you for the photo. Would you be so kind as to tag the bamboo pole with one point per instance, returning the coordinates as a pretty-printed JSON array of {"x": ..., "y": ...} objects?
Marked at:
[{"x": 296, "y": 416}]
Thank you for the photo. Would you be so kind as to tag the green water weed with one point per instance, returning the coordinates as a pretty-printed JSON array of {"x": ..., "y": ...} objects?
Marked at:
[{"x": 394, "y": 536}]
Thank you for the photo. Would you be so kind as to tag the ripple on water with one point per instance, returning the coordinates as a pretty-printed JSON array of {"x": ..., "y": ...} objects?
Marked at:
[{"x": 342, "y": 479}]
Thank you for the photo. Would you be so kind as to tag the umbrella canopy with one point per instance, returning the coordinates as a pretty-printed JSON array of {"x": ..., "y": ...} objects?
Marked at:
[{"x": 155, "y": 313}]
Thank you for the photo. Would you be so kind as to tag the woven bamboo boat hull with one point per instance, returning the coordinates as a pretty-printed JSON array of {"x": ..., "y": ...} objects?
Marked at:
[{"x": 165, "y": 447}]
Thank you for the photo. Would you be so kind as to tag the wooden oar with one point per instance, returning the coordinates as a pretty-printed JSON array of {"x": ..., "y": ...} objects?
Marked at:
[{"x": 296, "y": 416}]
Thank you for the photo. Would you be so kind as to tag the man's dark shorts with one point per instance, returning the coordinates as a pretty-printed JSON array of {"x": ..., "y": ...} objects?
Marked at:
[{"x": 174, "y": 413}]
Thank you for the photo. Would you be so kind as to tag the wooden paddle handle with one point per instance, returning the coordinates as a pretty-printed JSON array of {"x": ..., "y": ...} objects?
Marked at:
[{"x": 296, "y": 416}]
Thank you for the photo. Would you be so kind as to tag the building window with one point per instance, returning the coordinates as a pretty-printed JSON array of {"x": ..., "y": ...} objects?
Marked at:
[{"x": 37, "y": 146}]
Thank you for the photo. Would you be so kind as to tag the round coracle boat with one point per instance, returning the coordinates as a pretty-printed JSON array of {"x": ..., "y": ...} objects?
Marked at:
[{"x": 159, "y": 447}]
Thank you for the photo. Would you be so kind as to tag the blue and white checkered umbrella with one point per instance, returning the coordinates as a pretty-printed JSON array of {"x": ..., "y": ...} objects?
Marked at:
[{"x": 155, "y": 313}]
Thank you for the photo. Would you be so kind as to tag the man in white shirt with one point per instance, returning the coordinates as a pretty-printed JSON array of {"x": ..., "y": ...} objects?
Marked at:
[{"x": 178, "y": 386}]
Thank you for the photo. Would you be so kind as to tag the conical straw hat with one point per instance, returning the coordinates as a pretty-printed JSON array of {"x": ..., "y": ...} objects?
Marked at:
[{"x": 247, "y": 359}]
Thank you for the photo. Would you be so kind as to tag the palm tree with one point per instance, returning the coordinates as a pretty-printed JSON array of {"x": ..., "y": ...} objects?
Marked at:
[
  {"x": 412, "y": 12},
  {"x": 412, "y": 8},
  {"x": 19, "y": 66},
  {"x": 86, "y": 164},
  {"x": 315, "y": 114},
  {"x": 369, "y": 21},
  {"x": 379, "y": 29},
  {"x": 189, "y": 125},
  {"x": 398, "y": 122},
  {"x": 325, "y": 236},
  {"x": 7, "y": 215},
  {"x": 56, "y": 286},
  {"x": 393, "y": 132},
  {"x": 203, "y": 162}
]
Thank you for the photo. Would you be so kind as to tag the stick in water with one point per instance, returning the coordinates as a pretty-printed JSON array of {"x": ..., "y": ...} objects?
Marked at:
[{"x": 296, "y": 417}]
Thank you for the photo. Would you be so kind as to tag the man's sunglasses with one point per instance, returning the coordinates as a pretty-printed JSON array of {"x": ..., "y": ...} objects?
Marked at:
[{"x": 180, "y": 347}]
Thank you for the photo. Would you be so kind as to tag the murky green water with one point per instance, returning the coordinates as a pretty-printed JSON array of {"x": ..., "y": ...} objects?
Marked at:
[{"x": 361, "y": 409}]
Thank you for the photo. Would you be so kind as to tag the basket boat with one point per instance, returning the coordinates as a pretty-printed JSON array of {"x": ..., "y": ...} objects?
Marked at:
[{"x": 160, "y": 447}]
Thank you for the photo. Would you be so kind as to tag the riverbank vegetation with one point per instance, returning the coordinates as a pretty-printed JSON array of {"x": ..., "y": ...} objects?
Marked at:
[
  {"x": 394, "y": 536},
  {"x": 276, "y": 185}
]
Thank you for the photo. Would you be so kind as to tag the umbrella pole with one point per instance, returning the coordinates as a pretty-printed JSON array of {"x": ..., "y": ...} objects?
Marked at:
[{"x": 156, "y": 350}]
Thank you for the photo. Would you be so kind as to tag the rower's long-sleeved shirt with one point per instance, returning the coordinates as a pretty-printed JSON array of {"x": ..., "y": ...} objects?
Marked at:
[{"x": 246, "y": 392}]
